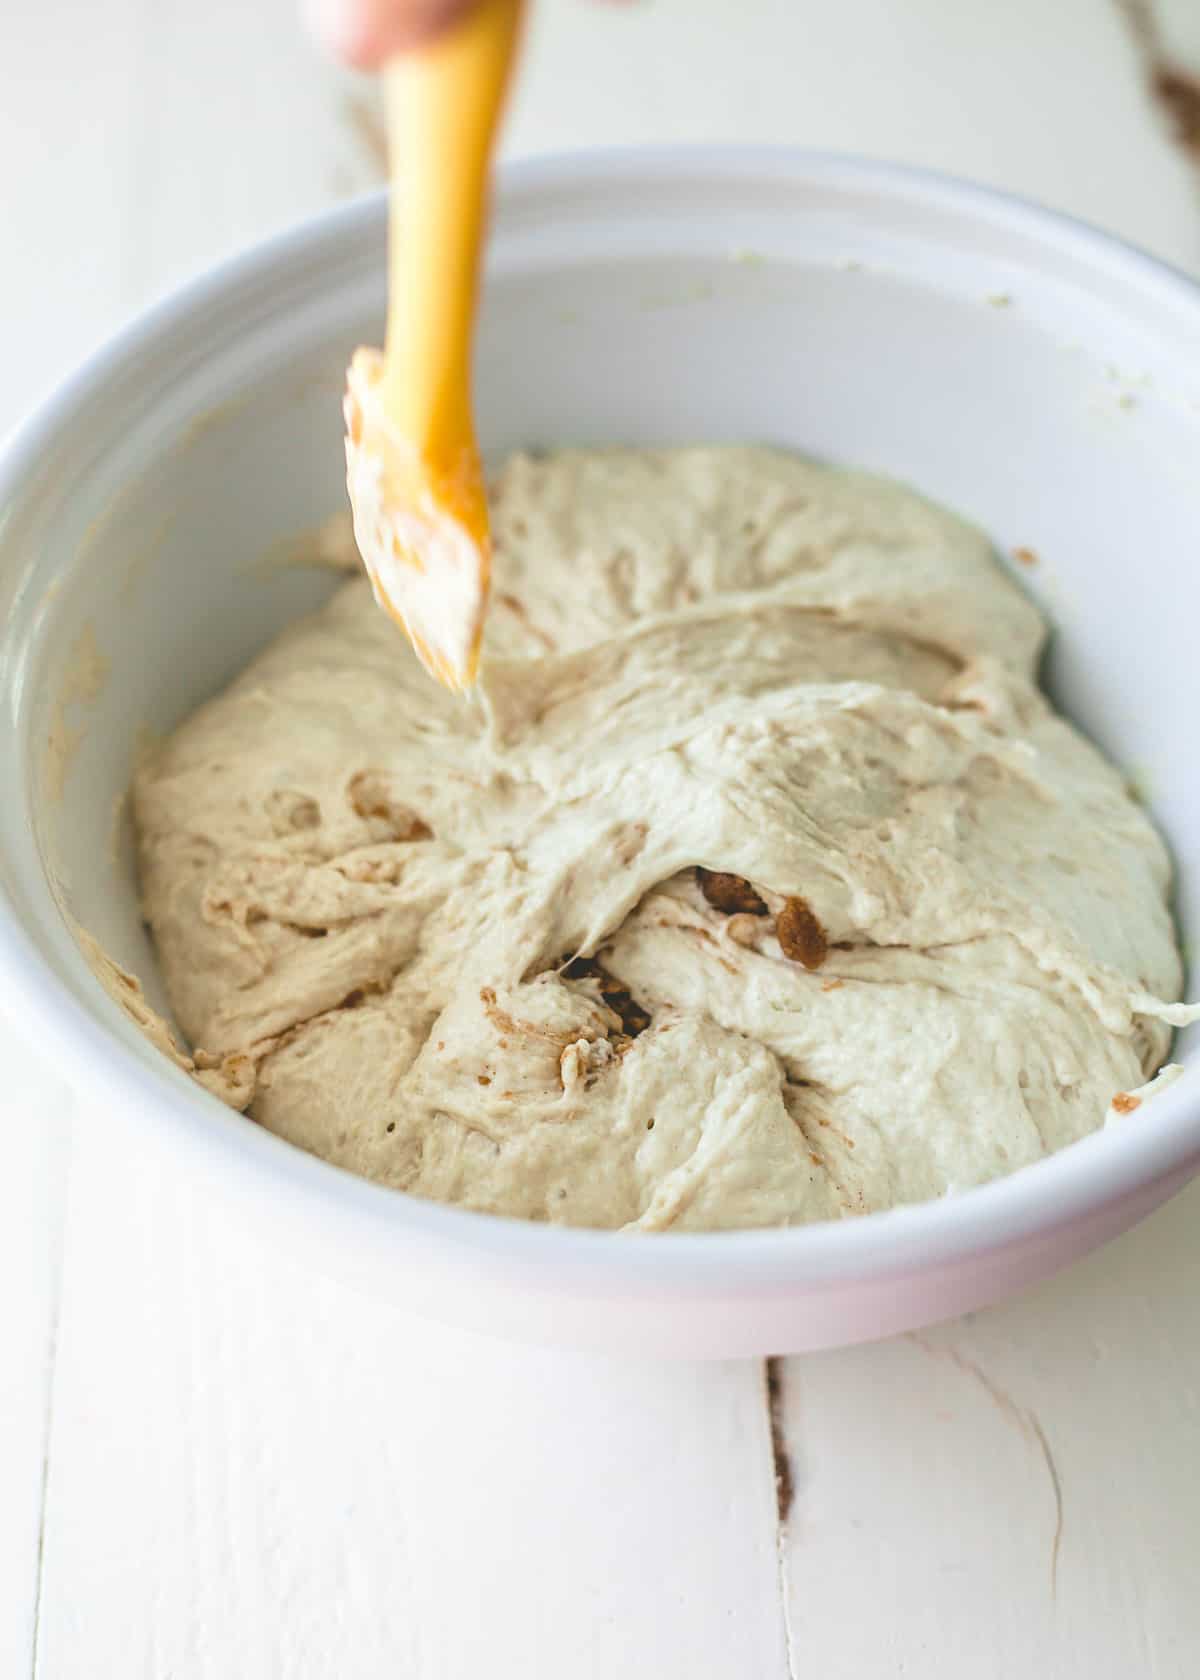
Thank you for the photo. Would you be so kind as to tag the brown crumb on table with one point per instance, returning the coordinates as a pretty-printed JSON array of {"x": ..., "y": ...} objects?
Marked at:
[
  {"x": 1179, "y": 95},
  {"x": 1123, "y": 1103},
  {"x": 1176, "y": 89},
  {"x": 830, "y": 985},
  {"x": 1026, "y": 556},
  {"x": 801, "y": 936},
  {"x": 730, "y": 893}
]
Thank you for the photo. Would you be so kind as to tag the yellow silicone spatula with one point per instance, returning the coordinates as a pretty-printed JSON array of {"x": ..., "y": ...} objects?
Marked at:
[{"x": 412, "y": 462}]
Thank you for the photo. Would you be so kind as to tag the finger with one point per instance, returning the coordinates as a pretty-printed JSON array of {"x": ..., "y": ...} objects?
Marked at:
[{"x": 364, "y": 33}]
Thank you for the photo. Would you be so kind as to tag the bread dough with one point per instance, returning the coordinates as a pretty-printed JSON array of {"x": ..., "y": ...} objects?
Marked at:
[{"x": 466, "y": 950}]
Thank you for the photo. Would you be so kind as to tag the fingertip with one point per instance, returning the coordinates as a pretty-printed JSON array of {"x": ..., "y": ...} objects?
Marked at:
[
  {"x": 366, "y": 33},
  {"x": 346, "y": 30}
]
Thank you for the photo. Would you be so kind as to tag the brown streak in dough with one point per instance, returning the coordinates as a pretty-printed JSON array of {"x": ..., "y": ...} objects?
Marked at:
[
  {"x": 523, "y": 1029},
  {"x": 518, "y": 611},
  {"x": 619, "y": 999}
]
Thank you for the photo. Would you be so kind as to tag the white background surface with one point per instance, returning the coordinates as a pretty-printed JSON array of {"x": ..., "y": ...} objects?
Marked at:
[{"x": 211, "y": 1466}]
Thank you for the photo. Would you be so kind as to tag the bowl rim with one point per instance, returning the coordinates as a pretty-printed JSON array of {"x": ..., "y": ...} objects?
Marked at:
[{"x": 1022, "y": 1207}]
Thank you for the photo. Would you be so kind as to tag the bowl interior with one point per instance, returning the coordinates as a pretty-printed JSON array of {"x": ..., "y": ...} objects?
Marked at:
[{"x": 1036, "y": 378}]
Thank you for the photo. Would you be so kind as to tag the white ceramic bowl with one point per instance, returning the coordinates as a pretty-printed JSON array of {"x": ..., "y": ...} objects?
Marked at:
[{"x": 1033, "y": 374}]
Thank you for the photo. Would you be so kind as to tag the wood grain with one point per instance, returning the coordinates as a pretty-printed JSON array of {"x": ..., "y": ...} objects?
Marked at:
[
  {"x": 1047, "y": 1453},
  {"x": 256, "y": 1473},
  {"x": 35, "y": 1109}
]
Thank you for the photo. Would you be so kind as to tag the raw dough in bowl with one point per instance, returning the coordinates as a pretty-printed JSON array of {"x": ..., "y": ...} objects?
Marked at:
[{"x": 757, "y": 884}]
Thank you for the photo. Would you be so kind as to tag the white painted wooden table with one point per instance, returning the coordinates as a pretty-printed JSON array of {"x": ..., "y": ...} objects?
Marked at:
[{"x": 212, "y": 1467}]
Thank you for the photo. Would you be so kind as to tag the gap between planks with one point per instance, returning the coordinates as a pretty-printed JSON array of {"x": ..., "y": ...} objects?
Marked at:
[{"x": 784, "y": 1477}]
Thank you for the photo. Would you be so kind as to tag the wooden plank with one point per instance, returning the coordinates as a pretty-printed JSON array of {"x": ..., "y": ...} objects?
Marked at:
[
  {"x": 245, "y": 128},
  {"x": 256, "y": 1473},
  {"x": 96, "y": 188},
  {"x": 1044, "y": 100},
  {"x": 32, "y": 1194},
  {"x": 69, "y": 180},
  {"x": 65, "y": 161},
  {"x": 188, "y": 132},
  {"x": 1018, "y": 1493}
]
